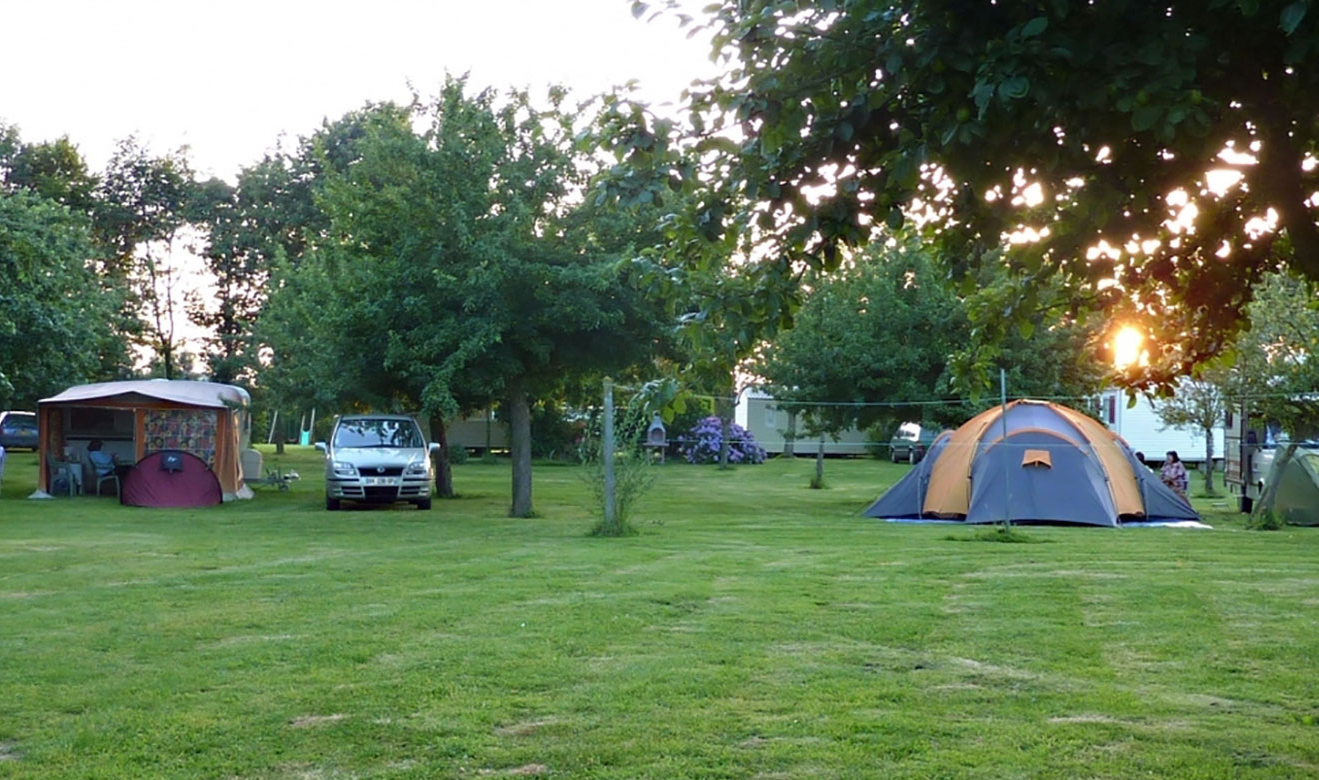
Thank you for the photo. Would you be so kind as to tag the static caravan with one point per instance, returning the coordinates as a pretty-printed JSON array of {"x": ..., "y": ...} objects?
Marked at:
[
  {"x": 1142, "y": 429},
  {"x": 777, "y": 431},
  {"x": 479, "y": 432}
]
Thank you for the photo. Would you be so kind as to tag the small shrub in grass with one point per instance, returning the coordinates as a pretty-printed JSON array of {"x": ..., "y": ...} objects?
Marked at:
[
  {"x": 457, "y": 456},
  {"x": 634, "y": 473},
  {"x": 997, "y": 534},
  {"x": 489, "y": 458},
  {"x": 701, "y": 445},
  {"x": 1266, "y": 521}
]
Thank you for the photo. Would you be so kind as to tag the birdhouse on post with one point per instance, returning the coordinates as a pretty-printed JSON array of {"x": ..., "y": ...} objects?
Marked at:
[{"x": 657, "y": 436}]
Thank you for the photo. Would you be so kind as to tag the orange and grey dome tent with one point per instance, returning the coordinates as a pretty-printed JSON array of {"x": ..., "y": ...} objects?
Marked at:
[{"x": 1035, "y": 462}]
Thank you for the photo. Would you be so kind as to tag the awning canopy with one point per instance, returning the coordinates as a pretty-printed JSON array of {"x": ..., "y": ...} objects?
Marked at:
[{"x": 208, "y": 394}]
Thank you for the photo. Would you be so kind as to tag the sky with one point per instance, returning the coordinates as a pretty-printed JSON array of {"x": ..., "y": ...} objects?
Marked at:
[{"x": 227, "y": 79}]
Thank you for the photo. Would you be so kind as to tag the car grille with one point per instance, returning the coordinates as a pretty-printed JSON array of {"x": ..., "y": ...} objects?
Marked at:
[
  {"x": 380, "y": 471},
  {"x": 385, "y": 493}
]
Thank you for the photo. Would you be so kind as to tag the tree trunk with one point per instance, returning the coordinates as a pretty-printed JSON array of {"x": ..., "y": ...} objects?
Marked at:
[
  {"x": 519, "y": 422},
  {"x": 790, "y": 436},
  {"x": 819, "y": 466},
  {"x": 1271, "y": 485},
  {"x": 1209, "y": 460},
  {"x": 443, "y": 472},
  {"x": 279, "y": 435},
  {"x": 724, "y": 409}
]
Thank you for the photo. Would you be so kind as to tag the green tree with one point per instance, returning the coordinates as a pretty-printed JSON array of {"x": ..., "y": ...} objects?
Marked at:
[
  {"x": 1019, "y": 132},
  {"x": 141, "y": 207},
  {"x": 878, "y": 331},
  {"x": 465, "y": 249},
  {"x": 1275, "y": 371},
  {"x": 876, "y": 337},
  {"x": 257, "y": 241},
  {"x": 53, "y": 170},
  {"x": 239, "y": 255},
  {"x": 52, "y": 310}
]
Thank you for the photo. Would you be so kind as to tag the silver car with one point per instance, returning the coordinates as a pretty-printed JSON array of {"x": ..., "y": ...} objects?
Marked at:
[{"x": 378, "y": 459}]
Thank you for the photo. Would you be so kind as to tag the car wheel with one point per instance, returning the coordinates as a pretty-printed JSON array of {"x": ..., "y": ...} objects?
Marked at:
[
  {"x": 912, "y": 457},
  {"x": 332, "y": 504},
  {"x": 424, "y": 504},
  {"x": 893, "y": 454}
]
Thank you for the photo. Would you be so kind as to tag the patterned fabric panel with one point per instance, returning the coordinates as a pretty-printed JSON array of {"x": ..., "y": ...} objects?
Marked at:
[{"x": 190, "y": 430}]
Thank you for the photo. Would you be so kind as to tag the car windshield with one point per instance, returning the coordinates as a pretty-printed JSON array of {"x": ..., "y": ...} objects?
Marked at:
[{"x": 378, "y": 433}]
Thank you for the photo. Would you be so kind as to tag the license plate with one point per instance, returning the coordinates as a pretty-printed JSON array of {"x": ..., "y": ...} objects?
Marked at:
[{"x": 379, "y": 481}]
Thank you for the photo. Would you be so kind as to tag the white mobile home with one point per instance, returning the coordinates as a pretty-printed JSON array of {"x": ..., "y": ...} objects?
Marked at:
[
  {"x": 1145, "y": 432},
  {"x": 773, "y": 428},
  {"x": 479, "y": 432}
]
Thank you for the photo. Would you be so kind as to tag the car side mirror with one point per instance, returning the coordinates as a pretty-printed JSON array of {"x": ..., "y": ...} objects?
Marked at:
[
  {"x": 434, "y": 447},
  {"x": 320, "y": 445}
]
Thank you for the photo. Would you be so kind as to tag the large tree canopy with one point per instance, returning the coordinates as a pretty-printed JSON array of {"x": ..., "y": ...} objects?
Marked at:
[
  {"x": 871, "y": 345},
  {"x": 52, "y": 308},
  {"x": 460, "y": 267},
  {"x": 1071, "y": 141}
]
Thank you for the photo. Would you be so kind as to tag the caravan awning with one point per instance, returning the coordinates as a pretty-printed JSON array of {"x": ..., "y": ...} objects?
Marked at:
[{"x": 210, "y": 394}]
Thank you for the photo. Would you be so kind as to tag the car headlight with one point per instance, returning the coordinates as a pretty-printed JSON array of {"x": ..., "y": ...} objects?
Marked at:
[
  {"x": 417, "y": 469},
  {"x": 343, "y": 469}
]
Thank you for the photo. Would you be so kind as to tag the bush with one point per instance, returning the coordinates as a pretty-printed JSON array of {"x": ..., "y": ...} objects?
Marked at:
[
  {"x": 701, "y": 444},
  {"x": 997, "y": 534},
  {"x": 553, "y": 435},
  {"x": 1266, "y": 521},
  {"x": 457, "y": 456},
  {"x": 634, "y": 474}
]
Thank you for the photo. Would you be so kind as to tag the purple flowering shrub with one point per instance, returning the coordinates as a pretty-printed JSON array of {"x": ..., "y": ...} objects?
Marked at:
[{"x": 701, "y": 444}]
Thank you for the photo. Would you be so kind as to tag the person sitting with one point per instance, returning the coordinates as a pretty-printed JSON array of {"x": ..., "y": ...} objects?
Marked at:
[
  {"x": 102, "y": 461},
  {"x": 1173, "y": 474}
]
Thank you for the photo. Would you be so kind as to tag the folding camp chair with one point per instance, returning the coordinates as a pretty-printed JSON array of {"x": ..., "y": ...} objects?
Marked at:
[
  {"x": 91, "y": 478},
  {"x": 71, "y": 472}
]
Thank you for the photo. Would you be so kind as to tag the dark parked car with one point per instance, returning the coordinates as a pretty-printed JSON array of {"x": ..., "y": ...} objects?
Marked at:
[
  {"x": 910, "y": 443},
  {"x": 18, "y": 430}
]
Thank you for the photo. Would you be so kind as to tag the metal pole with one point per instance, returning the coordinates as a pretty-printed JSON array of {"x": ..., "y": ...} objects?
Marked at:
[
  {"x": 1007, "y": 461},
  {"x": 607, "y": 453}
]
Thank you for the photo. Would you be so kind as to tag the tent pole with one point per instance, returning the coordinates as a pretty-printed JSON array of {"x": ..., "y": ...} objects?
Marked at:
[
  {"x": 273, "y": 420},
  {"x": 1007, "y": 463}
]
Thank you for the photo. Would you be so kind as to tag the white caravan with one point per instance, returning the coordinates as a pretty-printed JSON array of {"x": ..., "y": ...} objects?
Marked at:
[
  {"x": 773, "y": 428},
  {"x": 1145, "y": 433}
]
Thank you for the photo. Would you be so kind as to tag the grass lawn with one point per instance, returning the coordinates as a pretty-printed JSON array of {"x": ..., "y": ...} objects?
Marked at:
[{"x": 754, "y": 629}]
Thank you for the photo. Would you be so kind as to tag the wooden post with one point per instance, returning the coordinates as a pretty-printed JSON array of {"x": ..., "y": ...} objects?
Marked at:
[{"x": 607, "y": 453}]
